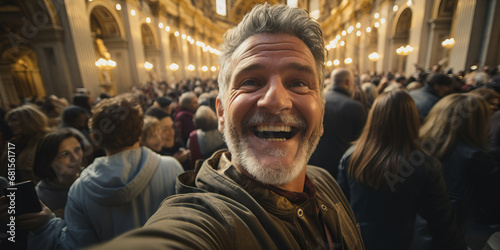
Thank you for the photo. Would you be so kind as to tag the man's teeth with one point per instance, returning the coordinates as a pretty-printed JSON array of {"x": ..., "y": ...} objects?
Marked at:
[
  {"x": 275, "y": 139},
  {"x": 283, "y": 128}
]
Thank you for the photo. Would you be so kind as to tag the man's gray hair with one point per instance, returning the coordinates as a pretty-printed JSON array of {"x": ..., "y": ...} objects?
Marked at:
[{"x": 265, "y": 18}]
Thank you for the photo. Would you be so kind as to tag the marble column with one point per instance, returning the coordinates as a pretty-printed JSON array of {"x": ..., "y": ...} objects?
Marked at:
[{"x": 81, "y": 39}]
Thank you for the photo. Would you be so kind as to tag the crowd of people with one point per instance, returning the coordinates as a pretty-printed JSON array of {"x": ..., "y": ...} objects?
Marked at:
[{"x": 274, "y": 154}]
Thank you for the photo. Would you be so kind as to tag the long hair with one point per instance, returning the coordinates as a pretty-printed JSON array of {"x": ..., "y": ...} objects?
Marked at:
[
  {"x": 34, "y": 121},
  {"x": 273, "y": 20},
  {"x": 387, "y": 140},
  {"x": 456, "y": 117}
]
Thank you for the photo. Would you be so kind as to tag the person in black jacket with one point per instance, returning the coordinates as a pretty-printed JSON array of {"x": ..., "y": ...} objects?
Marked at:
[
  {"x": 388, "y": 179},
  {"x": 456, "y": 132},
  {"x": 343, "y": 122}
]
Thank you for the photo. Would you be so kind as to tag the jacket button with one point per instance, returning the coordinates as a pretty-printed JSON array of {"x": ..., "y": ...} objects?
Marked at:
[
  {"x": 324, "y": 208},
  {"x": 300, "y": 213}
]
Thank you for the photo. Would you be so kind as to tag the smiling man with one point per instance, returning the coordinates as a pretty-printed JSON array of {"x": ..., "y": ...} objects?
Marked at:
[{"x": 261, "y": 194}]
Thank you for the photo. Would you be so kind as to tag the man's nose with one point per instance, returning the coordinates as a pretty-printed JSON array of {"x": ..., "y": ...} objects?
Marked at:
[{"x": 276, "y": 97}]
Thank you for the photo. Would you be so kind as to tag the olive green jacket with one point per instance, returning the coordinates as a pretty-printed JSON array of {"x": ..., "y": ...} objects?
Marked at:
[{"x": 220, "y": 208}]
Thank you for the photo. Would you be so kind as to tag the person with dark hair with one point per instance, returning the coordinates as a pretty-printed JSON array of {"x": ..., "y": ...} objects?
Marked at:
[
  {"x": 77, "y": 117},
  {"x": 386, "y": 186},
  {"x": 115, "y": 193},
  {"x": 162, "y": 103},
  {"x": 58, "y": 163},
  {"x": 82, "y": 100},
  {"x": 261, "y": 194},
  {"x": 437, "y": 86}
]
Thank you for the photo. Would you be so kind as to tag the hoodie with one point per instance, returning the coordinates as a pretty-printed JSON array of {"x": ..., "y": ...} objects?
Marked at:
[{"x": 113, "y": 195}]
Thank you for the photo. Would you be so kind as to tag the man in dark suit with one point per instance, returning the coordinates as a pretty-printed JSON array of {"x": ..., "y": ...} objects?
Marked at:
[{"x": 343, "y": 121}]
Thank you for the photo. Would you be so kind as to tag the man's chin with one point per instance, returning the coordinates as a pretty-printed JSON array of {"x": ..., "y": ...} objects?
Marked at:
[{"x": 271, "y": 170}]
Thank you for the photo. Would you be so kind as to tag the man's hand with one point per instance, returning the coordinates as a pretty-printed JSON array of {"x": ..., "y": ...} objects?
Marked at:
[{"x": 29, "y": 221}]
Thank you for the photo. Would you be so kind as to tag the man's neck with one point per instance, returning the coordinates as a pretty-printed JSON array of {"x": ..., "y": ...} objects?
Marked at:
[{"x": 110, "y": 152}]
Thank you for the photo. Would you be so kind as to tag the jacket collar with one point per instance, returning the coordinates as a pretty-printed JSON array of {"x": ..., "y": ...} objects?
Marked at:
[
  {"x": 341, "y": 90},
  {"x": 219, "y": 175}
]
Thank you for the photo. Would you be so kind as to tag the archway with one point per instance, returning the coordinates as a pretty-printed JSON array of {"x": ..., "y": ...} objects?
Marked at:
[
  {"x": 175, "y": 54},
  {"x": 151, "y": 51},
  {"x": 19, "y": 67},
  {"x": 373, "y": 47},
  {"x": 401, "y": 38},
  {"x": 105, "y": 30}
]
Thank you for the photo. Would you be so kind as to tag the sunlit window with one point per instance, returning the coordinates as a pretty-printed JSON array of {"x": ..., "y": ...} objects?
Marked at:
[
  {"x": 221, "y": 7},
  {"x": 292, "y": 3}
]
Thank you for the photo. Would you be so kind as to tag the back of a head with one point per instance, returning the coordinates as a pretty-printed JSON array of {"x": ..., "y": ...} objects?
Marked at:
[
  {"x": 117, "y": 122},
  {"x": 272, "y": 20},
  {"x": 163, "y": 102},
  {"x": 341, "y": 77},
  {"x": 439, "y": 79},
  {"x": 70, "y": 114},
  {"x": 388, "y": 138},
  {"x": 32, "y": 119},
  {"x": 205, "y": 118},
  {"x": 186, "y": 100},
  {"x": 364, "y": 78},
  {"x": 370, "y": 91},
  {"x": 158, "y": 113},
  {"x": 393, "y": 119},
  {"x": 456, "y": 117}
]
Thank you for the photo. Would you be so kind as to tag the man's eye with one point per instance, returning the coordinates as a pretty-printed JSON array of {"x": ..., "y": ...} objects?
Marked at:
[
  {"x": 298, "y": 84},
  {"x": 249, "y": 83}
]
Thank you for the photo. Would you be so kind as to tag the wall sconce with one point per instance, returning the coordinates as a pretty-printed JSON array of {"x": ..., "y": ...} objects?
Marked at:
[
  {"x": 348, "y": 60},
  {"x": 448, "y": 43},
  {"x": 148, "y": 66},
  {"x": 105, "y": 64},
  {"x": 174, "y": 67},
  {"x": 190, "y": 67},
  {"x": 374, "y": 56},
  {"x": 403, "y": 51}
]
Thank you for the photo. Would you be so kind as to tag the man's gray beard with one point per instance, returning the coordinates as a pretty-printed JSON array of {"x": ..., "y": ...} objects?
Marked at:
[{"x": 278, "y": 174}]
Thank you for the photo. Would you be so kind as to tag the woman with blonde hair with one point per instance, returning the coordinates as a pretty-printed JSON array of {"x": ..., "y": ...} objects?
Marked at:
[
  {"x": 29, "y": 125},
  {"x": 456, "y": 132},
  {"x": 151, "y": 135},
  {"x": 388, "y": 179}
]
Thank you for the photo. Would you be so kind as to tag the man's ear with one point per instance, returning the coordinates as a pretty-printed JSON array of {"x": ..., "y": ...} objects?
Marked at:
[{"x": 220, "y": 114}]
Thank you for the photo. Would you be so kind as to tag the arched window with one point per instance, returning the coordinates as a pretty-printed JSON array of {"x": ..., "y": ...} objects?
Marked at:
[{"x": 221, "y": 7}]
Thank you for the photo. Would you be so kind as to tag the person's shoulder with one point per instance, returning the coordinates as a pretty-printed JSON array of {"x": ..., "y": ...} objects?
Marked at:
[{"x": 170, "y": 162}]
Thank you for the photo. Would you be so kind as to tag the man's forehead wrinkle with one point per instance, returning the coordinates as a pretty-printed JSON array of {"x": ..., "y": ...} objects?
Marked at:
[{"x": 273, "y": 46}]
